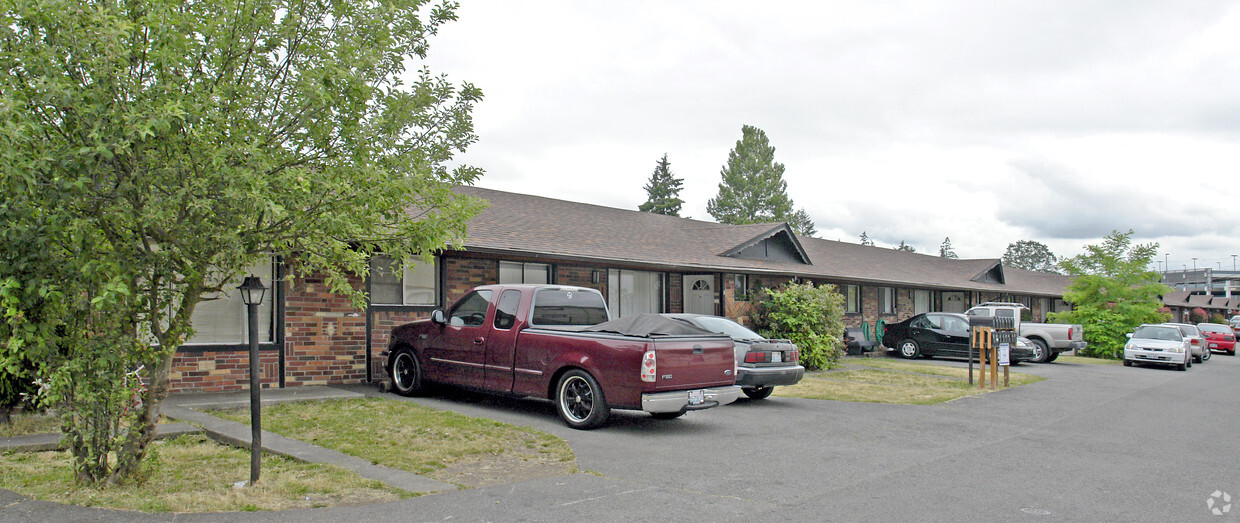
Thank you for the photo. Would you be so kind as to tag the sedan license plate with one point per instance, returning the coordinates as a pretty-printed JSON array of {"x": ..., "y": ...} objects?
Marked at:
[
  {"x": 1213, "y": 345},
  {"x": 696, "y": 397},
  {"x": 777, "y": 357}
]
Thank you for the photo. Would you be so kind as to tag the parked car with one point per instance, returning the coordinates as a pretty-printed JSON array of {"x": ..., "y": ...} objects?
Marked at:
[
  {"x": 1162, "y": 344},
  {"x": 1196, "y": 341},
  {"x": 1235, "y": 322},
  {"x": 942, "y": 334},
  {"x": 1049, "y": 339},
  {"x": 546, "y": 341},
  {"x": 761, "y": 364},
  {"x": 1219, "y": 337}
]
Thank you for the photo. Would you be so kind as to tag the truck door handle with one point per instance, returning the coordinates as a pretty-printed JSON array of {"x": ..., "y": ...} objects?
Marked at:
[
  {"x": 479, "y": 340},
  {"x": 697, "y": 349}
]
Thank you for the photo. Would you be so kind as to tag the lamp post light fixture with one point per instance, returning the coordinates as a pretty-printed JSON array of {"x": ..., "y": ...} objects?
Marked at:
[
  {"x": 1167, "y": 261},
  {"x": 252, "y": 291}
]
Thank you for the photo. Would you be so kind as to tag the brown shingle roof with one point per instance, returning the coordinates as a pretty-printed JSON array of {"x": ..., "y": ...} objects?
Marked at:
[{"x": 520, "y": 224}]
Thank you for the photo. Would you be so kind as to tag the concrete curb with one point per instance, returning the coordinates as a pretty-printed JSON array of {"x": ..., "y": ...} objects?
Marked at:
[{"x": 46, "y": 442}]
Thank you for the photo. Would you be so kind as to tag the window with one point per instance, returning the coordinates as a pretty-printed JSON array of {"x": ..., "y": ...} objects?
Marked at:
[
  {"x": 471, "y": 311},
  {"x": 416, "y": 285},
  {"x": 852, "y": 299},
  {"x": 634, "y": 292},
  {"x": 886, "y": 300},
  {"x": 568, "y": 307},
  {"x": 740, "y": 287},
  {"x": 516, "y": 272},
  {"x": 506, "y": 309},
  {"x": 221, "y": 318},
  {"x": 921, "y": 301}
]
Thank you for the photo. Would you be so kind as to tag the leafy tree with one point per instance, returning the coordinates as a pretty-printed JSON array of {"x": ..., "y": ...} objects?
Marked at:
[
  {"x": 1112, "y": 292},
  {"x": 905, "y": 247},
  {"x": 753, "y": 189},
  {"x": 802, "y": 224},
  {"x": 865, "y": 239},
  {"x": 946, "y": 250},
  {"x": 663, "y": 190},
  {"x": 153, "y": 149},
  {"x": 1031, "y": 256},
  {"x": 812, "y": 317}
]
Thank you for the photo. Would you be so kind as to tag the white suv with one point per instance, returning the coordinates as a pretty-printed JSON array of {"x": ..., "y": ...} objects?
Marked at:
[{"x": 1162, "y": 344}]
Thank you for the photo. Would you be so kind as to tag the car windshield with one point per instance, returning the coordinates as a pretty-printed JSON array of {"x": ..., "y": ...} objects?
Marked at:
[
  {"x": 1158, "y": 333},
  {"x": 734, "y": 330},
  {"x": 1190, "y": 330}
]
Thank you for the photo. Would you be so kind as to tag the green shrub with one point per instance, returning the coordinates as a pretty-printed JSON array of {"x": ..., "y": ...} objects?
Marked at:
[
  {"x": 812, "y": 317},
  {"x": 1218, "y": 318}
]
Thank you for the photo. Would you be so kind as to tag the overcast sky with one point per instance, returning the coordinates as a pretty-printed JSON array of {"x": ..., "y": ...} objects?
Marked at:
[{"x": 986, "y": 122}]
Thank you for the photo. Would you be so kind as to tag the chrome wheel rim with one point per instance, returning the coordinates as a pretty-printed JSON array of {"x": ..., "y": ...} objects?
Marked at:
[
  {"x": 576, "y": 398},
  {"x": 404, "y": 371}
]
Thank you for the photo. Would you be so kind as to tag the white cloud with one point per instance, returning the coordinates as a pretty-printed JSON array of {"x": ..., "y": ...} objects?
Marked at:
[{"x": 986, "y": 122}]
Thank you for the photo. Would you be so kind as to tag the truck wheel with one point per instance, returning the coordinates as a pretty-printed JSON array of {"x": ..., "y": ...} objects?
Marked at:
[
  {"x": 406, "y": 373},
  {"x": 758, "y": 393},
  {"x": 580, "y": 401},
  {"x": 1041, "y": 353},
  {"x": 909, "y": 349},
  {"x": 1052, "y": 356}
]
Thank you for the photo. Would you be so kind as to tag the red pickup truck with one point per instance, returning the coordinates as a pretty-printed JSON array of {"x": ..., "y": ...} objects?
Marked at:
[{"x": 557, "y": 342}]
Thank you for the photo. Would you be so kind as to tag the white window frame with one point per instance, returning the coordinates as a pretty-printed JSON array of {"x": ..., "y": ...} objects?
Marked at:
[{"x": 412, "y": 284}]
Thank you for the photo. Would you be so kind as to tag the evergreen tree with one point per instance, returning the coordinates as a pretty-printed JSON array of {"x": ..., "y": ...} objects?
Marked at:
[
  {"x": 946, "y": 250},
  {"x": 663, "y": 190},
  {"x": 753, "y": 189},
  {"x": 865, "y": 239},
  {"x": 905, "y": 247},
  {"x": 802, "y": 224}
]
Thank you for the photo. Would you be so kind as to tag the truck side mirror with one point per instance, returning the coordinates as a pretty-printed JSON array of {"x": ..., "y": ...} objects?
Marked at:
[{"x": 437, "y": 317}]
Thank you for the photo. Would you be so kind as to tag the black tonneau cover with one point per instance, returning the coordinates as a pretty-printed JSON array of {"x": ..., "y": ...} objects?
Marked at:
[{"x": 648, "y": 325}]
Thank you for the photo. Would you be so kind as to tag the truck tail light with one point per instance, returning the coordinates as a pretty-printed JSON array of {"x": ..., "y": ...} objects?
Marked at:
[
  {"x": 648, "y": 367},
  {"x": 1069, "y": 333}
]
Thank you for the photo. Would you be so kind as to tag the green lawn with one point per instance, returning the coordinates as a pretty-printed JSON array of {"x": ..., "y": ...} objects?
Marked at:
[
  {"x": 194, "y": 474},
  {"x": 876, "y": 380},
  {"x": 439, "y": 444}
]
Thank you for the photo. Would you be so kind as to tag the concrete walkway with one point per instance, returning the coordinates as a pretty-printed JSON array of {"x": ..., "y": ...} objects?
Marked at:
[{"x": 190, "y": 408}]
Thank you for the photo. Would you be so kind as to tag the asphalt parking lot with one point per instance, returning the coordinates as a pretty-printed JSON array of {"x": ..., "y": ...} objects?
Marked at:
[{"x": 1092, "y": 442}]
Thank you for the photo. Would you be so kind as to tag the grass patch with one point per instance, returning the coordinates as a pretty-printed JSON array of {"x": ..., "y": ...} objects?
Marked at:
[
  {"x": 885, "y": 381},
  {"x": 26, "y": 423},
  {"x": 193, "y": 474},
  {"x": 443, "y": 445},
  {"x": 1064, "y": 358}
]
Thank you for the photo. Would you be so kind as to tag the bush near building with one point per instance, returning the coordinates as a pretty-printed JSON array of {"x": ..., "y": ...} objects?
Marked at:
[{"x": 811, "y": 316}]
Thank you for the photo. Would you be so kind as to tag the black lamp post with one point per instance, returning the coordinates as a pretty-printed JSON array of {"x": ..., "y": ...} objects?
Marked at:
[{"x": 252, "y": 290}]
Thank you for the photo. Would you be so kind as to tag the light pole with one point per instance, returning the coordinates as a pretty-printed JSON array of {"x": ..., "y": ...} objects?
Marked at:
[
  {"x": 1167, "y": 259},
  {"x": 1194, "y": 264},
  {"x": 1233, "y": 262},
  {"x": 1160, "y": 266},
  {"x": 252, "y": 290}
]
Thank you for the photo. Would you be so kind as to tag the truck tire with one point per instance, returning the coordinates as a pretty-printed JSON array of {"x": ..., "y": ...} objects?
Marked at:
[
  {"x": 1052, "y": 356},
  {"x": 406, "y": 373},
  {"x": 579, "y": 400},
  {"x": 1041, "y": 353}
]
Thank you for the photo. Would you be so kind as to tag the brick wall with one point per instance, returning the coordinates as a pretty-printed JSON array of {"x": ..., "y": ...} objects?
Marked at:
[
  {"x": 464, "y": 274},
  {"x": 580, "y": 276},
  {"x": 325, "y": 336},
  {"x": 221, "y": 370}
]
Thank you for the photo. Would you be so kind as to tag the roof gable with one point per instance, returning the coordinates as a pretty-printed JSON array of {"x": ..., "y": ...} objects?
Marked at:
[
  {"x": 778, "y": 244},
  {"x": 992, "y": 275}
]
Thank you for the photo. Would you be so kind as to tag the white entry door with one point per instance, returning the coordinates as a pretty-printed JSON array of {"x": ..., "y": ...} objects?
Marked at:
[{"x": 700, "y": 294}]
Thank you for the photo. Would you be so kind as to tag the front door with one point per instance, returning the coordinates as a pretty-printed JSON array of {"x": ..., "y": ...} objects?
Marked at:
[{"x": 700, "y": 294}]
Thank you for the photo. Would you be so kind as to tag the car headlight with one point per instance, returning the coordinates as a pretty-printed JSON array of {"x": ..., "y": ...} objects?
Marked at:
[
  {"x": 1177, "y": 350},
  {"x": 1130, "y": 347}
]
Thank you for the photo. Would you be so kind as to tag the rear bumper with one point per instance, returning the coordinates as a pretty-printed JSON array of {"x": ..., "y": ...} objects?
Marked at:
[
  {"x": 769, "y": 376},
  {"x": 678, "y": 400},
  {"x": 1076, "y": 345}
]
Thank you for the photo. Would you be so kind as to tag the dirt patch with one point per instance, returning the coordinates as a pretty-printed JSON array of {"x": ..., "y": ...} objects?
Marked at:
[{"x": 485, "y": 471}]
